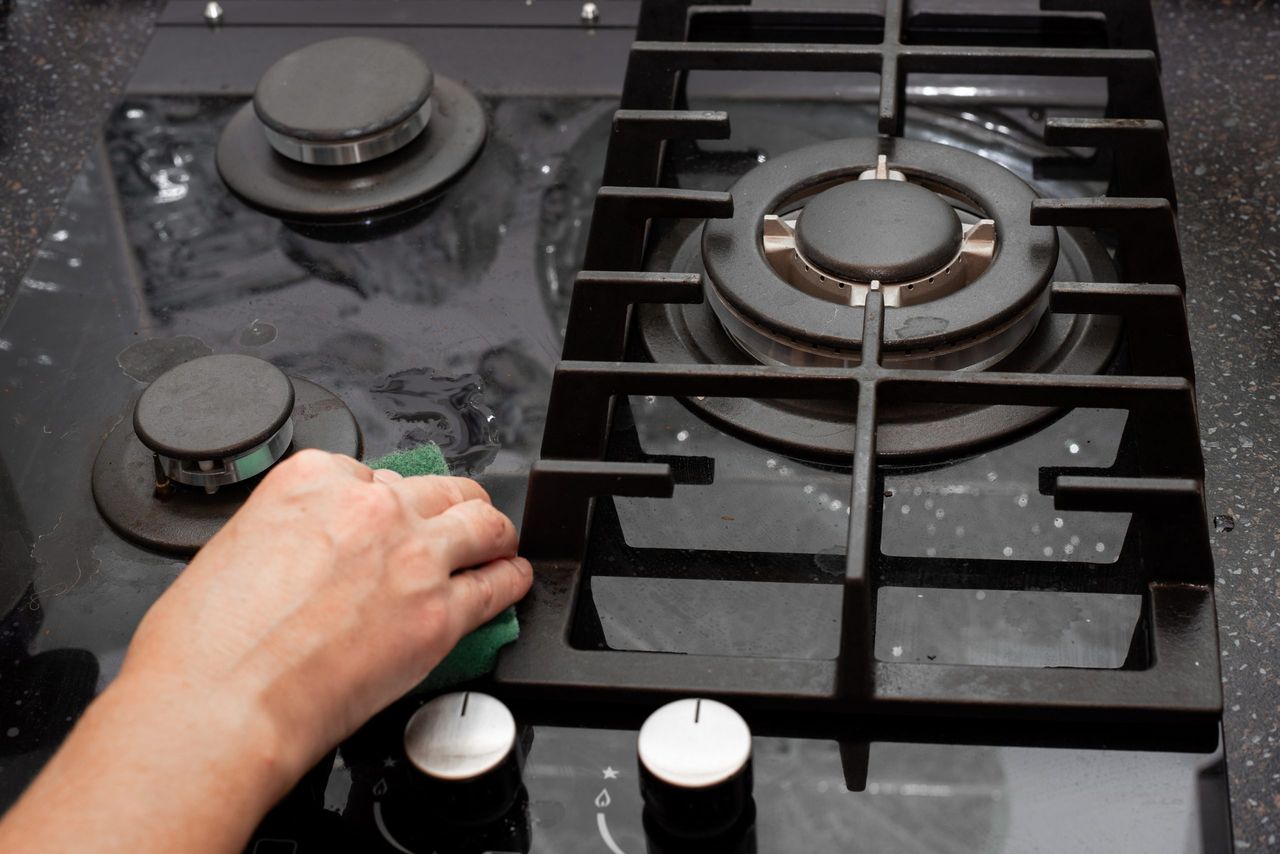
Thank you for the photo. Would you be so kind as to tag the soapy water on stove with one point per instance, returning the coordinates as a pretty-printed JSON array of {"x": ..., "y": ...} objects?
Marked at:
[{"x": 198, "y": 246}]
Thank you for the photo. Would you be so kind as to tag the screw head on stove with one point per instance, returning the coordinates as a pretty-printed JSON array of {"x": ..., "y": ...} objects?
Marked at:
[{"x": 695, "y": 766}]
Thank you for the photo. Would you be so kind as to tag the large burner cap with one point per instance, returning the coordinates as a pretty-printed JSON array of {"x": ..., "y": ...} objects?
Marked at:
[
  {"x": 343, "y": 101},
  {"x": 886, "y": 231},
  {"x": 213, "y": 408}
]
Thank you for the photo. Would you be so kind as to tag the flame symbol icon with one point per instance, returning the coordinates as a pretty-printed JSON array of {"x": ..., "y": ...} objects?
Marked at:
[
  {"x": 380, "y": 788},
  {"x": 603, "y": 800}
]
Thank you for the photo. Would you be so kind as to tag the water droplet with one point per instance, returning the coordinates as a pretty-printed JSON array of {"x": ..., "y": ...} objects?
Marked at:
[
  {"x": 959, "y": 530},
  {"x": 897, "y": 652},
  {"x": 1073, "y": 447},
  {"x": 808, "y": 489},
  {"x": 906, "y": 508},
  {"x": 74, "y": 262},
  {"x": 1022, "y": 500},
  {"x": 939, "y": 513},
  {"x": 59, "y": 235},
  {"x": 546, "y": 169},
  {"x": 1224, "y": 522},
  {"x": 682, "y": 436},
  {"x": 1100, "y": 547},
  {"x": 981, "y": 594},
  {"x": 771, "y": 463},
  {"x": 1008, "y": 551},
  {"x": 836, "y": 505},
  {"x": 1057, "y": 522},
  {"x": 1048, "y": 551},
  {"x": 12, "y": 732},
  {"x": 761, "y": 157}
]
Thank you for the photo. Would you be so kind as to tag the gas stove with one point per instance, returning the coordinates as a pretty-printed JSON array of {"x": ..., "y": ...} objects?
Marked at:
[{"x": 835, "y": 361}]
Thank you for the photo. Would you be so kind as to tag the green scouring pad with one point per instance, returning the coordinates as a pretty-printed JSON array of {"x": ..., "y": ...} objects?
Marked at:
[{"x": 476, "y": 654}]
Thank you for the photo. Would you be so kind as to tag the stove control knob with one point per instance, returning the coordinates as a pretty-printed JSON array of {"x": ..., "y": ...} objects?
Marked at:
[
  {"x": 695, "y": 767},
  {"x": 464, "y": 747}
]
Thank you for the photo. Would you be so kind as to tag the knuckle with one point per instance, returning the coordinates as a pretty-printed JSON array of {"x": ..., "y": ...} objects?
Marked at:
[
  {"x": 373, "y": 503},
  {"x": 491, "y": 524}
]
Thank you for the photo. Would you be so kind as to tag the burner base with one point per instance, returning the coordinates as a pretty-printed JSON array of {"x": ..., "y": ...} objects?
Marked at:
[{"x": 1061, "y": 343}]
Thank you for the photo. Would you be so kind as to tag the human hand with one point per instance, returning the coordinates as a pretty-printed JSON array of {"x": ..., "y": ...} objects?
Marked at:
[{"x": 332, "y": 592}]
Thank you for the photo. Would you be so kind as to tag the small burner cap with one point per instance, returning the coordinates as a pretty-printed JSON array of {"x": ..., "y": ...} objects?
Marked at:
[
  {"x": 877, "y": 230},
  {"x": 347, "y": 100},
  {"x": 213, "y": 408}
]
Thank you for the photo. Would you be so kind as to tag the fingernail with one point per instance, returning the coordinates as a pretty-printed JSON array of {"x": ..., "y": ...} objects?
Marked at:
[
  {"x": 387, "y": 475},
  {"x": 523, "y": 565}
]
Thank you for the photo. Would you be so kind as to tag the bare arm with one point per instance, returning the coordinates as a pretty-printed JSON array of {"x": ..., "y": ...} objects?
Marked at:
[{"x": 330, "y": 594}]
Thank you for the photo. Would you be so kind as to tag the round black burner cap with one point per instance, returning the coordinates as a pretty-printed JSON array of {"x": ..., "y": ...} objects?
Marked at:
[
  {"x": 213, "y": 408},
  {"x": 342, "y": 89},
  {"x": 890, "y": 231}
]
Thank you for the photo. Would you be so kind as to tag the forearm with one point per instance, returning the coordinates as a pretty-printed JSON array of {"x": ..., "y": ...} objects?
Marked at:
[{"x": 152, "y": 767}]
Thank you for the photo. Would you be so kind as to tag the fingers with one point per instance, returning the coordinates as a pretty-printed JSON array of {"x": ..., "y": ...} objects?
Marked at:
[
  {"x": 471, "y": 533},
  {"x": 431, "y": 495},
  {"x": 478, "y": 595}
]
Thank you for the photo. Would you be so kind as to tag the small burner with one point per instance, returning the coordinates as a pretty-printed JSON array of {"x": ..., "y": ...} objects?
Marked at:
[
  {"x": 200, "y": 435},
  {"x": 885, "y": 231},
  {"x": 348, "y": 130},
  {"x": 217, "y": 420}
]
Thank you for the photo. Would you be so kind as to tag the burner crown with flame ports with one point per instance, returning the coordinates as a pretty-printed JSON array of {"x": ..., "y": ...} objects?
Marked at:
[{"x": 879, "y": 232}]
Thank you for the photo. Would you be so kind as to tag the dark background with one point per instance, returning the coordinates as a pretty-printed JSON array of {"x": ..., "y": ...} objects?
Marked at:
[{"x": 63, "y": 63}]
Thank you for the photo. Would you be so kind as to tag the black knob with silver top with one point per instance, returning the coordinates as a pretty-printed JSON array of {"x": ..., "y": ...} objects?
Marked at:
[
  {"x": 695, "y": 767},
  {"x": 464, "y": 749}
]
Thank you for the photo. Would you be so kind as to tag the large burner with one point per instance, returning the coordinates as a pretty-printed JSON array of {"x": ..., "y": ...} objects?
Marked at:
[
  {"x": 943, "y": 233},
  {"x": 349, "y": 129},
  {"x": 926, "y": 239}
]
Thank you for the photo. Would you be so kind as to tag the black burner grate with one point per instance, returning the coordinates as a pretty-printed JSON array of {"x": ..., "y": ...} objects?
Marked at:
[{"x": 1163, "y": 485}]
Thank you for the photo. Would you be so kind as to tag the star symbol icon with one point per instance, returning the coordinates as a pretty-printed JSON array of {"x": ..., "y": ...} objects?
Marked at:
[
  {"x": 610, "y": 773},
  {"x": 388, "y": 763}
]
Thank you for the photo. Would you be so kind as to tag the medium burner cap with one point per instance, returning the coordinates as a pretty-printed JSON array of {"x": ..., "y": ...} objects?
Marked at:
[
  {"x": 213, "y": 408},
  {"x": 886, "y": 231},
  {"x": 347, "y": 100}
]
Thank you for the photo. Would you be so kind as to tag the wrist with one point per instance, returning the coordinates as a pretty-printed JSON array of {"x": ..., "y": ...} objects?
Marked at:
[{"x": 205, "y": 738}]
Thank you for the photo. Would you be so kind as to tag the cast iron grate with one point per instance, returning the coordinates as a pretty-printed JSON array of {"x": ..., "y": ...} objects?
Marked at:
[{"x": 1162, "y": 486}]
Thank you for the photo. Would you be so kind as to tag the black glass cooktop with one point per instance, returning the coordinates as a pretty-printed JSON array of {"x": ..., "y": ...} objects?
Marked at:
[{"x": 446, "y": 325}]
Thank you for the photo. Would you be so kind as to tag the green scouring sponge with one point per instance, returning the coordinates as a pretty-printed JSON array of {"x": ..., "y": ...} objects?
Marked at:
[{"x": 476, "y": 654}]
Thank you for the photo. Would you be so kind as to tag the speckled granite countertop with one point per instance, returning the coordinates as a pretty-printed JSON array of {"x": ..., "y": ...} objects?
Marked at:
[{"x": 63, "y": 62}]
